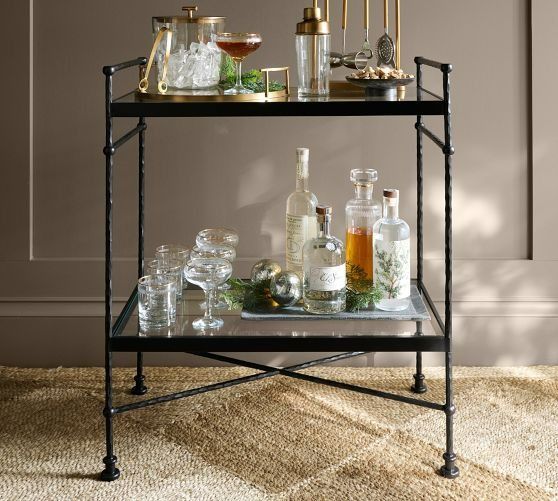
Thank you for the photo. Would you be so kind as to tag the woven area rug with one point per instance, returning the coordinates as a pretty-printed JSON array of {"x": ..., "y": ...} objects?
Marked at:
[{"x": 279, "y": 439}]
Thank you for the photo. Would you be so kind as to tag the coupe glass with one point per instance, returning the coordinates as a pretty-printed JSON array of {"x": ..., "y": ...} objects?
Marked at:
[
  {"x": 238, "y": 46},
  {"x": 217, "y": 236},
  {"x": 208, "y": 274},
  {"x": 220, "y": 251}
]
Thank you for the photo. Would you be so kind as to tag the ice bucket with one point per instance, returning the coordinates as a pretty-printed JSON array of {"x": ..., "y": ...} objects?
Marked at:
[{"x": 194, "y": 60}]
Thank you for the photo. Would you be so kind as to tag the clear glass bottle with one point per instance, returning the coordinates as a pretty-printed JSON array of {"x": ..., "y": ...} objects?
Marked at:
[
  {"x": 301, "y": 214},
  {"x": 360, "y": 215},
  {"x": 392, "y": 256},
  {"x": 313, "y": 40},
  {"x": 324, "y": 283}
]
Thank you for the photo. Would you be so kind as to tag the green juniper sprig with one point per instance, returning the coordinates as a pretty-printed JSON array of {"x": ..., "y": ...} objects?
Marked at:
[
  {"x": 246, "y": 294},
  {"x": 252, "y": 80},
  {"x": 361, "y": 291}
]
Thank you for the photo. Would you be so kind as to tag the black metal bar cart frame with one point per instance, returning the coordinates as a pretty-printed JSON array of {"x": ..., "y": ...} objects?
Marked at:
[{"x": 421, "y": 103}]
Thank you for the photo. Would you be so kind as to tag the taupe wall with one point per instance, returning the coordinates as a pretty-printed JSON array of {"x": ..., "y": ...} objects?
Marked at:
[{"x": 238, "y": 172}]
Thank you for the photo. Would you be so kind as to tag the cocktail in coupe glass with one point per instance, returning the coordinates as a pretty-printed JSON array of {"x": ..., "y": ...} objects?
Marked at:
[
  {"x": 238, "y": 46},
  {"x": 208, "y": 274}
]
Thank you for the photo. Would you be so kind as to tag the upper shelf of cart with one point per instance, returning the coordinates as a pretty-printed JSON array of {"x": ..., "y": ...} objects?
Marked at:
[{"x": 346, "y": 103}]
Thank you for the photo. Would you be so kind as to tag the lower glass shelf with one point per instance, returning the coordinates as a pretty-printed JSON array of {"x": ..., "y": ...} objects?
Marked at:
[{"x": 383, "y": 333}]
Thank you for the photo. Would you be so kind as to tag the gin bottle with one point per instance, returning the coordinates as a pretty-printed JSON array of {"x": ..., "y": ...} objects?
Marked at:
[
  {"x": 301, "y": 214},
  {"x": 392, "y": 256},
  {"x": 324, "y": 278},
  {"x": 360, "y": 215}
]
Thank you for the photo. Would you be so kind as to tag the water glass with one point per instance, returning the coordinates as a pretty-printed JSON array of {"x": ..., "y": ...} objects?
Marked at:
[
  {"x": 156, "y": 301},
  {"x": 172, "y": 251},
  {"x": 172, "y": 268}
]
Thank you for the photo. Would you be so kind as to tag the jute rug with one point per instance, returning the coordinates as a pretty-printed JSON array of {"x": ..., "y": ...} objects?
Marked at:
[{"x": 279, "y": 439}]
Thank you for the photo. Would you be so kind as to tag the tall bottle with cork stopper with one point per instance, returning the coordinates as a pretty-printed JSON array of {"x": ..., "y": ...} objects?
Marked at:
[
  {"x": 361, "y": 213},
  {"x": 392, "y": 256},
  {"x": 324, "y": 282},
  {"x": 301, "y": 214}
]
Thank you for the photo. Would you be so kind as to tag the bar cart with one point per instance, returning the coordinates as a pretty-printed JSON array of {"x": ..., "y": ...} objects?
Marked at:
[{"x": 350, "y": 338}]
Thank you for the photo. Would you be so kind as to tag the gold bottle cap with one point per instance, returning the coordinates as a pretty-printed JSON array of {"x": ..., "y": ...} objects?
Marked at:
[{"x": 313, "y": 24}]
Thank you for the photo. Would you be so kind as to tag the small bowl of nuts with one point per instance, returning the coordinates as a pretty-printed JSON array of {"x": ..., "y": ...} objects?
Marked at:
[{"x": 380, "y": 81}]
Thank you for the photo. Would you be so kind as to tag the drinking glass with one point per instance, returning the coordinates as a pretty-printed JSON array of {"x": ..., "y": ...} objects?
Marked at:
[
  {"x": 156, "y": 301},
  {"x": 173, "y": 268},
  {"x": 172, "y": 251},
  {"x": 217, "y": 236},
  {"x": 208, "y": 273},
  {"x": 220, "y": 251},
  {"x": 238, "y": 46}
]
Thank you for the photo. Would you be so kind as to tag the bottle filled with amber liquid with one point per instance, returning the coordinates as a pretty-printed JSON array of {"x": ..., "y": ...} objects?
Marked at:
[{"x": 361, "y": 213}]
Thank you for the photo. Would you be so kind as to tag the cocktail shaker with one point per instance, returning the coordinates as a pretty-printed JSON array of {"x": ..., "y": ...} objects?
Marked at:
[{"x": 313, "y": 40}]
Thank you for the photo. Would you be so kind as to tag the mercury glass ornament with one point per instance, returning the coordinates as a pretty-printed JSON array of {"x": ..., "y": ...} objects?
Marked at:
[
  {"x": 265, "y": 269},
  {"x": 286, "y": 288}
]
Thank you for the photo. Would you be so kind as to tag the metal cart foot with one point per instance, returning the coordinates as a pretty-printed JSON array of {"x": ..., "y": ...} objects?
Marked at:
[
  {"x": 139, "y": 388},
  {"x": 449, "y": 470},
  {"x": 111, "y": 472},
  {"x": 419, "y": 386}
]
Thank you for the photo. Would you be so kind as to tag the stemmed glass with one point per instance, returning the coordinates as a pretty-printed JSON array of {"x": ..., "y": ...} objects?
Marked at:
[
  {"x": 208, "y": 274},
  {"x": 219, "y": 251},
  {"x": 217, "y": 236},
  {"x": 238, "y": 46}
]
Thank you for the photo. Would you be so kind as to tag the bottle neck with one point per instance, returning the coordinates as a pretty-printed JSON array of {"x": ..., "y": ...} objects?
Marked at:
[
  {"x": 323, "y": 228},
  {"x": 391, "y": 210},
  {"x": 302, "y": 176},
  {"x": 364, "y": 192}
]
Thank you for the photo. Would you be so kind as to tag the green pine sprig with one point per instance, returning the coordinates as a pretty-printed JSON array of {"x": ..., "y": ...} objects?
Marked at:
[
  {"x": 361, "y": 291},
  {"x": 252, "y": 80}
]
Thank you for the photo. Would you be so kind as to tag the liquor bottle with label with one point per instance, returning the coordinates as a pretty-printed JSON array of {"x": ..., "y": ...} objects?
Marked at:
[
  {"x": 301, "y": 214},
  {"x": 392, "y": 256},
  {"x": 324, "y": 282},
  {"x": 360, "y": 215}
]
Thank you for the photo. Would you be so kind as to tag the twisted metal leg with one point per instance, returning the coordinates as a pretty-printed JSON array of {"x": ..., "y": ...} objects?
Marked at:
[
  {"x": 139, "y": 387},
  {"x": 419, "y": 386}
]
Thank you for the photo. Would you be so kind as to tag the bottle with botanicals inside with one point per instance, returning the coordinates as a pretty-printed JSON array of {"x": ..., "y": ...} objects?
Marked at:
[
  {"x": 392, "y": 256},
  {"x": 325, "y": 278},
  {"x": 360, "y": 214},
  {"x": 301, "y": 214}
]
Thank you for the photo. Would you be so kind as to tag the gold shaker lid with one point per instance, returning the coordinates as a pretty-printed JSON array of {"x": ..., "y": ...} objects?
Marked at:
[{"x": 313, "y": 24}]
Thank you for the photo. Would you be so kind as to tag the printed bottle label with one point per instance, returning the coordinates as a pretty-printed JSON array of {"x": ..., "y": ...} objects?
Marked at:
[
  {"x": 299, "y": 230},
  {"x": 392, "y": 267},
  {"x": 330, "y": 278}
]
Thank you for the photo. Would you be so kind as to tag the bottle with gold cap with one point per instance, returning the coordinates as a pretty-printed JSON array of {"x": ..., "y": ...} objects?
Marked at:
[
  {"x": 324, "y": 282},
  {"x": 313, "y": 40}
]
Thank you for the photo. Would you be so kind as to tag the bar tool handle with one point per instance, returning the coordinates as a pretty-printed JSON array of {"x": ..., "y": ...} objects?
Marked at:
[
  {"x": 398, "y": 34},
  {"x": 344, "y": 19},
  {"x": 366, "y": 14},
  {"x": 386, "y": 18}
]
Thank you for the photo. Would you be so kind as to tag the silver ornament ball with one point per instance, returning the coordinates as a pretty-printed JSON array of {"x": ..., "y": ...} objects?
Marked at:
[
  {"x": 286, "y": 288},
  {"x": 265, "y": 269}
]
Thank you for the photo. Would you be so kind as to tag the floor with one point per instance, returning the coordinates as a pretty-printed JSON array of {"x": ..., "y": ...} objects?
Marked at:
[{"x": 279, "y": 439}]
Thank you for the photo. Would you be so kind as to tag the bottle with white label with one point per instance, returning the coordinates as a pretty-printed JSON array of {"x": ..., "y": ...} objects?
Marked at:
[
  {"x": 324, "y": 281},
  {"x": 392, "y": 256},
  {"x": 301, "y": 214}
]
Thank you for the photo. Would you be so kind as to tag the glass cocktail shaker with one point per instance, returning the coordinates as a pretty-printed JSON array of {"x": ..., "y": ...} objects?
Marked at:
[{"x": 313, "y": 41}]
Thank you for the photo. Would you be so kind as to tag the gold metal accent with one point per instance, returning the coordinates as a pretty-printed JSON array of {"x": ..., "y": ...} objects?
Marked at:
[
  {"x": 190, "y": 11},
  {"x": 386, "y": 18},
  {"x": 366, "y": 14},
  {"x": 267, "y": 71},
  {"x": 313, "y": 23},
  {"x": 397, "y": 34},
  {"x": 143, "y": 85}
]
